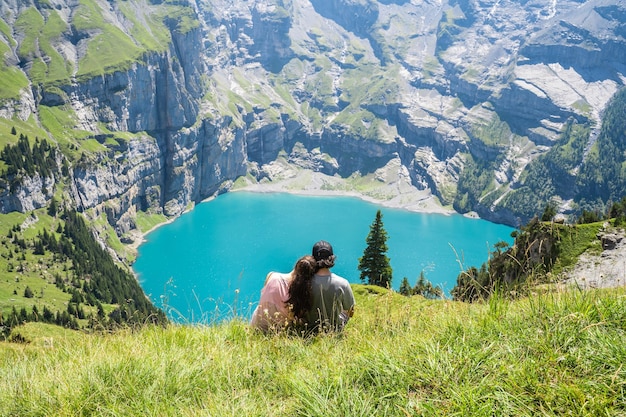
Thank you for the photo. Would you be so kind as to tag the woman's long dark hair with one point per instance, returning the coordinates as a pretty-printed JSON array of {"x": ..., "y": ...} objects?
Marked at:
[{"x": 300, "y": 290}]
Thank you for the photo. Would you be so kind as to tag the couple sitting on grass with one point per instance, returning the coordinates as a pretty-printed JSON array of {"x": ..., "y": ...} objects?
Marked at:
[{"x": 308, "y": 300}]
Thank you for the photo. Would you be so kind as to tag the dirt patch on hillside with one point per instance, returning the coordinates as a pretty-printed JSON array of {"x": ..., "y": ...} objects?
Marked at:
[{"x": 604, "y": 270}]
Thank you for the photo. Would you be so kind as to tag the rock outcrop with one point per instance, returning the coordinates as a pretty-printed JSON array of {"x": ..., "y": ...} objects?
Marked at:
[{"x": 602, "y": 268}]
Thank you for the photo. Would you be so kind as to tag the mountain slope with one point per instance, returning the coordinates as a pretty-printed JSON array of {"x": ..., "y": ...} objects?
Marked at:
[{"x": 165, "y": 103}]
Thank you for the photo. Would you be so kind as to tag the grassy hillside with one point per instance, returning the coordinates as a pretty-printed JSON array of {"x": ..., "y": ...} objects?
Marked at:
[
  {"x": 41, "y": 36},
  {"x": 550, "y": 354},
  {"x": 53, "y": 270}
]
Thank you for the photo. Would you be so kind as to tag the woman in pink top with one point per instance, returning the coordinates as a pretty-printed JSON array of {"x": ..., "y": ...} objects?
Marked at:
[{"x": 281, "y": 293}]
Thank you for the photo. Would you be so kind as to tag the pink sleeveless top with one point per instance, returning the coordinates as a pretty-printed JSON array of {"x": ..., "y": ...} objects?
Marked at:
[{"x": 272, "y": 311}]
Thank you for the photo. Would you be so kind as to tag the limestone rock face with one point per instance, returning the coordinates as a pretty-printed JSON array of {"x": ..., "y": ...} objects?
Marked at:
[
  {"x": 32, "y": 193},
  {"x": 270, "y": 35},
  {"x": 341, "y": 87}
]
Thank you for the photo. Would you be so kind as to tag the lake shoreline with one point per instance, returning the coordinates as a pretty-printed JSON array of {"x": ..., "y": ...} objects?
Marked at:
[
  {"x": 423, "y": 204},
  {"x": 398, "y": 194},
  {"x": 390, "y": 186}
]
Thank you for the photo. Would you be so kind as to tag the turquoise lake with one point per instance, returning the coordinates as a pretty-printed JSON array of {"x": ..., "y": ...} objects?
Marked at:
[{"x": 210, "y": 263}]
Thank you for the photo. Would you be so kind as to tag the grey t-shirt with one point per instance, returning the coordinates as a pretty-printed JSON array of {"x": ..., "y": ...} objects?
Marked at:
[{"x": 332, "y": 296}]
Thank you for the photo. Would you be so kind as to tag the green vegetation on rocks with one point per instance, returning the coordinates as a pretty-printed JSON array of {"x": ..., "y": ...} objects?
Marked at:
[
  {"x": 61, "y": 122},
  {"x": 113, "y": 50},
  {"x": 541, "y": 251},
  {"x": 12, "y": 80},
  {"x": 493, "y": 134},
  {"x": 48, "y": 68},
  {"x": 551, "y": 174},
  {"x": 602, "y": 177},
  {"x": 476, "y": 178},
  {"x": 107, "y": 52}
]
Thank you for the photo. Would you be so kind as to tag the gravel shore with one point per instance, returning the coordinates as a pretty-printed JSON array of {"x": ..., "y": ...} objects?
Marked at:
[{"x": 389, "y": 186}]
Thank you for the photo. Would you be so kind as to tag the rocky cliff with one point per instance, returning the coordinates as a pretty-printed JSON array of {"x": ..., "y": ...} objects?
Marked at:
[{"x": 157, "y": 105}]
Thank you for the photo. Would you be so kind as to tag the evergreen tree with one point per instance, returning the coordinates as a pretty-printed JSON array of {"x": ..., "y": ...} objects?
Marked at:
[
  {"x": 374, "y": 264},
  {"x": 23, "y": 315},
  {"x": 101, "y": 313},
  {"x": 48, "y": 316},
  {"x": 39, "y": 248},
  {"x": 405, "y": 287},
  {"x": 35, "y": 314},
  {"x": 14, "y": 318},
  {"x": 426, "y": 289},
  {"x": 549, "y": 212},
  {"x": 28, "y": 293},
  {"x": 53, "y": 207}
]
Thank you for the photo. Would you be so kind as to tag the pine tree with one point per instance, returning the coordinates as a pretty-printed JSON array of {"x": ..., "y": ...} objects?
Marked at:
[
  {"x": 39, "y": 248},
  {"x": 28, "y": 293},
  {"x": 374, "y": 264},
  {"x": 405, "y": 287},
  {"x": 426, "y": 289},
  {"x": 53, "y": 207},
  {"x": 549, "y": 212},
  {"x": 48, "y": 316}
]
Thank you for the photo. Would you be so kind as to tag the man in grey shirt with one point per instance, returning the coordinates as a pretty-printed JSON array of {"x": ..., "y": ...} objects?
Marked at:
[{"x": 333, "y": 300}]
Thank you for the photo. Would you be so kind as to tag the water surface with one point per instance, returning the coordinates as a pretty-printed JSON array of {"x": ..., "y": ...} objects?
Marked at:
[{"x": 210, "y": 263}]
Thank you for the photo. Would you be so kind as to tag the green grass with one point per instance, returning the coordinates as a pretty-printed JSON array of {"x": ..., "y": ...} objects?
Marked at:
[
  {"x": 494, "y": 132},
  {"x": 58, "y": 70},
  {"x": 29, "y": 23},
  {"x": 88, "y": 15},
  {"x": 575, "y": 240},
  {"x": 185, "y": 17},
  {"x": 382, "y": 87},
  {"x": 38, "y": 33},
  {"x": 61, "y": 122},
  {"x": 45, "y": 293},
  {"x": 92, "y": 146},
  {"x": 12, "y": 80},
  {"x": 6, "y": 30},
  {"x": 113, "y": 50},
  {"x": 108, "y": 52},
  {"x": 21, "y": 268},
  {"x": 27, "y": 128},
  {"x": 148, "y": 221},
  {"x": 550, "y": 355},
  {"x": 583, "y": 106},
  {"x": 154, "y": 36}
]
